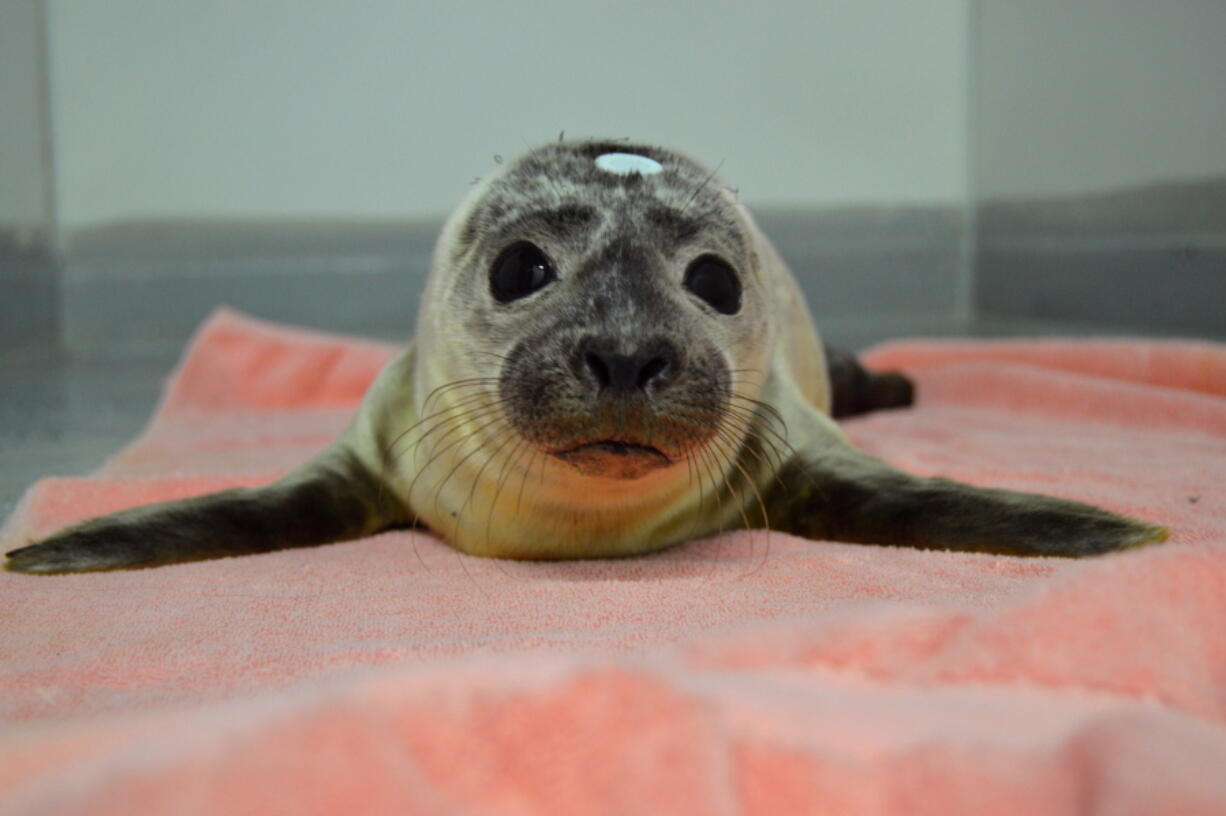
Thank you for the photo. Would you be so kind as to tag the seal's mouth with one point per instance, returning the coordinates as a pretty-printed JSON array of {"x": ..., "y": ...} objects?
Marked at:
[{"x": 614, "y": 458}]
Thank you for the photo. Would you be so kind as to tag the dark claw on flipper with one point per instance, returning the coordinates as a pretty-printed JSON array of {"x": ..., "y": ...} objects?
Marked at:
[{"x": 1146, "y": 534}]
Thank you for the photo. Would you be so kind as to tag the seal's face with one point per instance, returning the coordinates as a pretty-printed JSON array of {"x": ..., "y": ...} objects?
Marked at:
[{"x": 614, "y": 296}]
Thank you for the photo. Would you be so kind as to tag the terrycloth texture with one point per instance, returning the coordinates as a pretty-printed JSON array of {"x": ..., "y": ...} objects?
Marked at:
[{"x": 742, "y": 674}]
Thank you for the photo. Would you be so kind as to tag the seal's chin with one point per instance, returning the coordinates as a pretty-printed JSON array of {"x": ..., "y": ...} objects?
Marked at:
[{"x": 614, "y": 459}]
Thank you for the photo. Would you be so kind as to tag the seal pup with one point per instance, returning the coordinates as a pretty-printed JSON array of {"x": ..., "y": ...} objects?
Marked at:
[{"x": 610, "y": 358}]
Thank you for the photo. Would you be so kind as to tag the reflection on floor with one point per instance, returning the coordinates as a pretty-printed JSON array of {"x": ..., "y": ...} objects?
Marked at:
[{"x": 64, "y": 418}]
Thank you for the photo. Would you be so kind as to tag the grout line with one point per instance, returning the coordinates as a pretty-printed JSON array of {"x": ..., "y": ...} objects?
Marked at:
[
  {"x": 51, "y": 214},
  {"x": 51, "y": 199},
  {"x": 968, "y": 250}
]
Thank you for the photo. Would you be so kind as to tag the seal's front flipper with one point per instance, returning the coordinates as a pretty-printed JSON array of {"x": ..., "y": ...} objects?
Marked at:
[
  {"x": 855, "y": 389},
  {"x": 845, "y": 495},
  {"x": 331, "y": 499}
]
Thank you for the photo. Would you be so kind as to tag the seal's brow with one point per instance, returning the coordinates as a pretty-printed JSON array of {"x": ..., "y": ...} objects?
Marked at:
[
  {"x": 564, "y": 220},
  {"x": 675, "y": 225}
]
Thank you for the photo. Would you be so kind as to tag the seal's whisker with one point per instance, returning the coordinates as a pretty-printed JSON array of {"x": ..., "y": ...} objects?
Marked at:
[
  {"x": 456, "y": 418},
  {"x": 689, "y": 467},
  {"x": 389, "y": 456},
  {"x": 503, "y": 357},
  {"x": 769, "y": 409},
  {"x": 756, "y": 444},
  {"x": 458, "y": 515},
  {"x": 509, "y": 438},
  {"x": 461, "y": 558},
  {"x": 486, "y": 392},
  {"x": 766, "y": 426},
  {"x": 769, "y": 412},
  {"x": 735, "y": 375},
  {"x": 718, "y": 476},
  {"x": 519, "y": 500},
  {"x": 721, "y": 443},
  {"x": 747, "y": 445},
  {"x": 494, "y": 500},
  {"x": 447, "y": 386},
  {"x": 719, "y": 467},
  {"x": 765, "y": 518},
  {"x": 741, "y": 424},
  {"x": 729, "y": 450},
  {"x": 452, "y": 424},
  {"x": 702, "y": 186},
  {"x": 480, "y": 444},
  {"x": 691, "y": 457},
  {"x": 482, "y": 396},
  {"x": 699, "y": 472},
  {"x": 438, "y": 453},
  {"x": 463, "y": 401},
  {"x": 512, "y": 458},
  {"x": 796, "y": 455}
]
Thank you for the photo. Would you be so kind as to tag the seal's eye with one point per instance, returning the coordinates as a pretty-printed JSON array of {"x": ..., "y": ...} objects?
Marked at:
[
  {"x": 715, "y": 282},
  {"x": 519, "y": 270}
]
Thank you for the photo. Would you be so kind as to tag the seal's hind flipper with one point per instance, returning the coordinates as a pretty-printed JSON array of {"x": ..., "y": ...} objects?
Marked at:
[
  {"x": 855, "y": 389},
  {"x": 845, "y": 495},
  {"x": 331, "y": 499}
]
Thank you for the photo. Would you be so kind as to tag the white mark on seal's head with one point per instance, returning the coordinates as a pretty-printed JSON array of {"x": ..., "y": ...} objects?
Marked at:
[{"x": 623, "y": 164}]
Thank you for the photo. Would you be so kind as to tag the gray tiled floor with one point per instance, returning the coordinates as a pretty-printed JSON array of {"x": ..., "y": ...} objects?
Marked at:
[{"x": 60, "y": 417}]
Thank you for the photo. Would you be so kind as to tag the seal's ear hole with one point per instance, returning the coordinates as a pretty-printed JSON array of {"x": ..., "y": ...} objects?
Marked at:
[
  {"x": 713, "y": 280},
  {"x": 518, "y": 271}
]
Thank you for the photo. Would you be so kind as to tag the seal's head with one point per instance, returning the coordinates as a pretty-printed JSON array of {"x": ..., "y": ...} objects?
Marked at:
[{"x": 611, "y": 298}]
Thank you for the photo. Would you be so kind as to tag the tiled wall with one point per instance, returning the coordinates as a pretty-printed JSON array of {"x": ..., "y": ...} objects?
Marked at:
[
  {"x": 27, "y": 272},
  {"x": 1098, "y": 161},
  {"x": 1090, "y": 188}
]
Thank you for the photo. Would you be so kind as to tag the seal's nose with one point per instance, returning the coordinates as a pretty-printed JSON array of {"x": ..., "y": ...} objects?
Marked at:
[{"x": 626, "y": 373}]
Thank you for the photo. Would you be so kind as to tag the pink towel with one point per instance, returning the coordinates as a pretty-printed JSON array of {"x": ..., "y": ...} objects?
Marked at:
[{"x": 741, "y": 674}]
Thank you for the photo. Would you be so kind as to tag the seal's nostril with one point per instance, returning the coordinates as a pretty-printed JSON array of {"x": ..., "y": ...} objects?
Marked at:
[
  {"x": 598, "y": 368},
  {"x": 625, "y": 373},
  {"x": 652, "y": 369}
]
